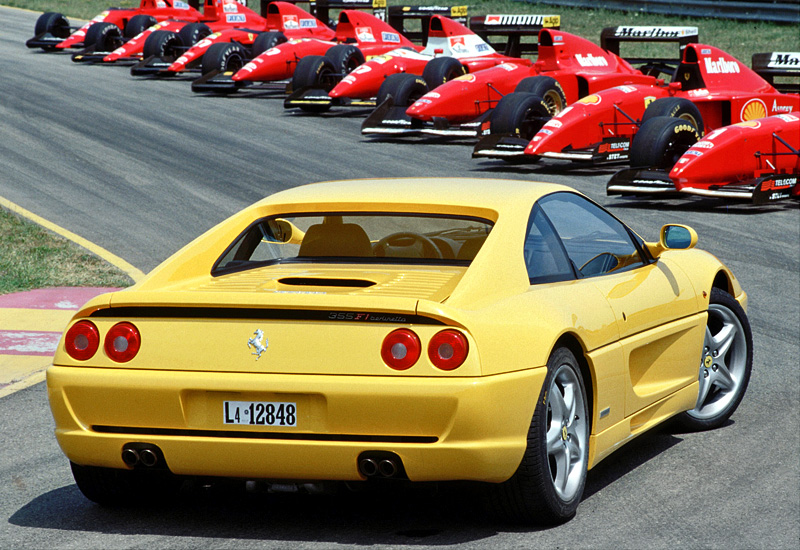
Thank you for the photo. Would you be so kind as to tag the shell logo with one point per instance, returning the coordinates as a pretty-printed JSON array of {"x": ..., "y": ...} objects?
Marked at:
[
  {"x": 593, "y": 99},
  {"x": 752, "y": 124},
  {"x": 466, "y": 78},
  {"x": 753, "y": 109}
]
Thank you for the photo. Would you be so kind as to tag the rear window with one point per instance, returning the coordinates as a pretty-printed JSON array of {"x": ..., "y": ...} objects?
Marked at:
[{"x": 356, "y": 238}]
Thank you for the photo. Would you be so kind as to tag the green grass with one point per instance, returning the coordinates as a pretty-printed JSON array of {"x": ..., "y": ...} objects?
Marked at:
[
  {"x": 32, "y": 257},
  {"x": 740, "y": 39}
]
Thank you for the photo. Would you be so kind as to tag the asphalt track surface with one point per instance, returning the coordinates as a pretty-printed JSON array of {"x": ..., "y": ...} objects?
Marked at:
[{"x": 142, "y": 167}]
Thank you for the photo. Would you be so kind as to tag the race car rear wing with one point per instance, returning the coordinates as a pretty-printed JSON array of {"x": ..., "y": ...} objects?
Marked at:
[
  {"x": 513, "y": 28},
  {"x": 398, "y": 15},
  {"x": 321, "y": 9},
  {"x": 612, "y": 37},
  {"x": 779, "y": 64}
]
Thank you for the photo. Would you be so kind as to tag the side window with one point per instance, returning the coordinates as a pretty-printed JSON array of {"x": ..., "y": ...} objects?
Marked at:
[
  {"x": 595, "y": 241},
  {"x": 545, "y": 256}
]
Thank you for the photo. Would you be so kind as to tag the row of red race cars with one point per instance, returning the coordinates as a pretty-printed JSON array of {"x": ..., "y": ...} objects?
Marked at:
[{"x": 700, "y": 123}]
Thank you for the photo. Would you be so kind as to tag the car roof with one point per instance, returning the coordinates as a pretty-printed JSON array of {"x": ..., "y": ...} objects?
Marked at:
[{"x": 444, "y": 195}]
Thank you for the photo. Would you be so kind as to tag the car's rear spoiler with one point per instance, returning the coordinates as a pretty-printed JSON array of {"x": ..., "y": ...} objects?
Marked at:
[
  {"x": 321, "y": 9},
  {"x": 612, "y": 37},
  {"x": 398, "y": 15},
  {"x": 782, "y": 64},
  {"x": 513, "y": 28}
]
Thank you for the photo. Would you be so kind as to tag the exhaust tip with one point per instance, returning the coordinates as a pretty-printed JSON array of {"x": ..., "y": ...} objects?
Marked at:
[
  {"x": 130, "y": 457},
  {"x": 387, "y": 468},
  {"x": 148, "y": 457},
  {"x": 368, "y": 467}
]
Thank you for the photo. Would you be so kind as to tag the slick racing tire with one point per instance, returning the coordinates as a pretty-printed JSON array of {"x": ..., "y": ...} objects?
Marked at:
[
  {"x": 224, "y": 56},
  {"x": 520, "y": 114},
  {"x": 548, "y": 484},
  {"x": 105, "y": 37},
  {"x": 548, "y": 89},
  {"x": 54, "y": 23},
  {"x": 442, "y": 69},
  {"x": 266, "y": 41},
  {"x": 676, "y": 107},
  {"x": 138, "y": 24},
  {"x": 193, "y": 33},
  {"x": 404, "y": 89},
  {"x": 345, "y": 58},
  {"x": 163, "y": 44},
  {"x": 725, "y": 364},
  {"x": 118, "y": 488},
  {"x": 315, "y": 71},
  {"x": 661, "y": 141}
]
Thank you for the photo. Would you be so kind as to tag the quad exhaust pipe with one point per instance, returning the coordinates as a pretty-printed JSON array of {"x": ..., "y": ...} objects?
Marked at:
[{"x": 381, "y": 465}]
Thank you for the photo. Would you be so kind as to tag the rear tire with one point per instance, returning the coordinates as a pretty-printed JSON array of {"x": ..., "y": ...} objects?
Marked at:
[
  {"x": 520, "y": 114},
  {"x": 404, "y": 89},
  {"x": 138, "y": 24},
  {"x": 442, "y": 69},
  {"x": 661, "y": 141},
  {"x": 548, "y": 89},
  {"x": 266, "y": 41},
  {"x": 116, "y": 488},
  {"x": 345, "y": 58},
  {"x": 725, "y": 364},
  {"x": 193, "y": 33},
  {"x": 105, "y": 37},
  {"x": 163, "y": 44},
  {"x": 548, "y": 484},
  {"x": 224, "y": 56},
  {"x": 675, "y": 107}
]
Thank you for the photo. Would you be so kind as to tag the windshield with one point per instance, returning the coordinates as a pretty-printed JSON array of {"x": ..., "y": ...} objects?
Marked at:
[{"x": 356, "y": 237}]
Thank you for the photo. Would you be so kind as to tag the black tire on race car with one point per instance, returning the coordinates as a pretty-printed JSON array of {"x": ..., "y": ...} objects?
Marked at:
[
  {"x": 725, "y": 364},
  {"x": 345, "y": 58},
  {"x": 315, "y": 71},
  {"x": 137, "y": 24},
  {"x": 548, "y": 89},
  {"x": 661, "y": 141},
  {"x": 193, "y": 33},
  {"x": 404, "y": 89},
  {"x": 224, "y": 56},
  {"x": 117, "y": 488},
  {"x": 520, "y": 114},
  {"x": 54, "y": 23},
  {"x": 548, "y": 484},
  {"x": 105, "y": 37},
  {"x": 266, "y": 41},
  {"x": 676, "y": 107},
  {"x": 439, "y": 70},
  {"x": 163, "y": 44}
]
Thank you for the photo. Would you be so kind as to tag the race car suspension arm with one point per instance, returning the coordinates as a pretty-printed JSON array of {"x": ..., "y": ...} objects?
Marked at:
[
  {"x": 633, "y": 121},
  {"x": 489, "y": 101}
]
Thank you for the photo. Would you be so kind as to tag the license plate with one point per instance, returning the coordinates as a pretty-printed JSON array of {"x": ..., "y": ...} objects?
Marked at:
[{"x": 259, "y": 413}]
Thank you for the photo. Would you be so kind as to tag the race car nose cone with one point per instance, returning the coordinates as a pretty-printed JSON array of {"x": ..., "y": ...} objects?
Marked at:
[{"x": 353, "y": 87}]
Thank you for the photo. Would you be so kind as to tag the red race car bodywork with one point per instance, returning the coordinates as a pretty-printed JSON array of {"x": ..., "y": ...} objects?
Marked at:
[
  {"x": 462, "y": 106},
  {"x": 445, "y": 38},
  {"x": 283, "y": 17},
  {"x": 757, "y": 161},
  {"x": 56, "y": 35},
  {"x": 599, "y": 128},
  {"x": 369, "y": 34},
  {"x": 218, "y": 16}
]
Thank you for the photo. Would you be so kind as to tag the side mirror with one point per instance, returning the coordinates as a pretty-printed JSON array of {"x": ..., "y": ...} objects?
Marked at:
[
  {"x": 285, "y": 231},
  {"x": 673, "y": 237}
]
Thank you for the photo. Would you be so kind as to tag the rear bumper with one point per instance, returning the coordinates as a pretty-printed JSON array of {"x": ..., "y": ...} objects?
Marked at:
[{"x": 442, "y": 429}]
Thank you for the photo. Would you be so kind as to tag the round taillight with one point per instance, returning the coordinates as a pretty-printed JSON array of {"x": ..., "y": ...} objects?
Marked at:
[
  {"x": 122, "y": 342},
  {"x": 82, "y": 340},
  {"x": 401, "y": 349},
  {"x": 448, "y": 349}
]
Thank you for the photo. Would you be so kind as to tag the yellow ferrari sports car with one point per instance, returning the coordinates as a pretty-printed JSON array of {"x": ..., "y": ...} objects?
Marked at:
[{"x": 506, "y": 332}]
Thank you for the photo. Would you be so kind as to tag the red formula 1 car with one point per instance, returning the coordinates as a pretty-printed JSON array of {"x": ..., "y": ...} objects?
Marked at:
[
  {"x": 218, "y": 15},
  {"x": 710, "y": 89},
  {"x": 567, "y": 67},
  {"x": 756, "y": 161},
  {"x": 166, "y": 53},
  {"x": 358, "y": 36},
  {"x": 451, "y": 50},
  {"x": 113, "y": 26}
]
